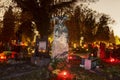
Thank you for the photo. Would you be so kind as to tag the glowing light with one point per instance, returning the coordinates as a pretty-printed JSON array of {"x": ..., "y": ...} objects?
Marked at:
[
  {"x": 112, "y": 60},
  {"x": 43, "y": 51},
  {"x": 74, "y": 45},
  {"x": 64, "y": 73},
  {"x": 70, "y": 57},
  {"x": 92, "y": 54},
  {"x": 23, "y": 44},
  {"x": 86, "y": 49},
  {"x": 3, "y": 57},
  {"x": 50, "y": 39},
  {"x": 85, "y": 46}
]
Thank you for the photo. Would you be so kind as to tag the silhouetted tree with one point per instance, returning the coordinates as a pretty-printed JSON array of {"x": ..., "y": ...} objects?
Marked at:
[
  {"x": 89, "y": 27},
  {"x": 112, "y": 37},
  {"x": 103, "y": 30},
  {"x": 74, "y": 26},
  {"x": 41, "y": 11},
  {"x": 89, "y": 24},
  {"x": 8, "y": 26},
  {"x": 82, "y": 24}
]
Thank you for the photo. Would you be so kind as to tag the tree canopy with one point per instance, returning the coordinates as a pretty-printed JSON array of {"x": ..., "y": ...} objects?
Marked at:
[
  {"x": 83, "y": 22},
  {"x": 91, "y": 25},
  {"x": 41, "y": 10}
]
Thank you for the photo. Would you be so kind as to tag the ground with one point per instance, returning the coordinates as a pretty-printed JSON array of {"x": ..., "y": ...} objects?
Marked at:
[{"x": 24, "y": 70}]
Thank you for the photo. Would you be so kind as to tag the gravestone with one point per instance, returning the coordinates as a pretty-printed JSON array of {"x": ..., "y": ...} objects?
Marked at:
[{"x": 90, "y": 64}]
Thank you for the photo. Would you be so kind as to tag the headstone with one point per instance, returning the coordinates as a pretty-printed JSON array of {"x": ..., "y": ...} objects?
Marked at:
[
  {"x": 87, "y": 64},
  {"x": 90, "y": 64}
]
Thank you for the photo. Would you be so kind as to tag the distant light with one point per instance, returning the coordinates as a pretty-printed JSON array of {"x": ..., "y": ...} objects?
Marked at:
[
  {"x": 92, "y": 54},
  {"x": 75, "y": 45},
  {"x": 3, "y": 57},
  {"x": 69, "y": 57},
  {"x": 85, "y": 46},
  {"x": 86, "y": 49}
]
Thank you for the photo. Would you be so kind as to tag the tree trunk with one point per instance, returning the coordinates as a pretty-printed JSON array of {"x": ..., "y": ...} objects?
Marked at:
[{"x": 42, "y": 21}]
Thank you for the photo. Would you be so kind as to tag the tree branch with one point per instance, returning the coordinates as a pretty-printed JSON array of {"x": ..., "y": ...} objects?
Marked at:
[{"x": 62, "y": 5}]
